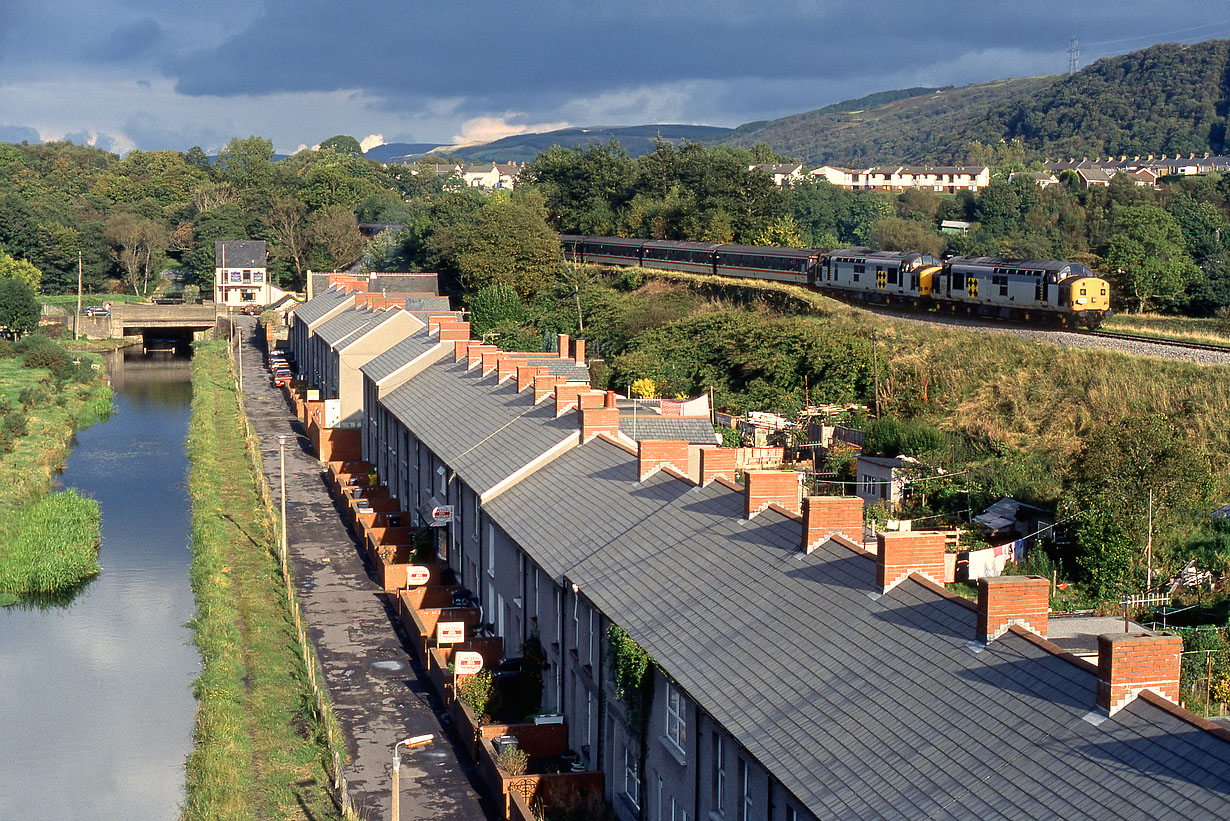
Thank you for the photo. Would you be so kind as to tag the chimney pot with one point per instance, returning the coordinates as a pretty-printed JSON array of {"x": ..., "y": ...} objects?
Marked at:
[
  {"x": 763, "y": 487},
  {"x": 1130, "y": 663},
  {"x": 610, "y": 399},
  {"x": 900, "y": 554},
  {"x": 826, "y": 516},
  {"x": 1007, "y": 600}
]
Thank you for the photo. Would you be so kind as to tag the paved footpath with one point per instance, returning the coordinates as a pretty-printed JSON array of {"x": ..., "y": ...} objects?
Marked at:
[{"x": 378, "y": 694}]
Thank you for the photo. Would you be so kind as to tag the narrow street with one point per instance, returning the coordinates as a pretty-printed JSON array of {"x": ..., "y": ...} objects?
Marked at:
[{"x": 377, "y": 693}]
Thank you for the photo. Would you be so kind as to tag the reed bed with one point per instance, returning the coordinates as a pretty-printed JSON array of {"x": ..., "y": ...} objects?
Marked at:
[{"x": 53, "y": 545}]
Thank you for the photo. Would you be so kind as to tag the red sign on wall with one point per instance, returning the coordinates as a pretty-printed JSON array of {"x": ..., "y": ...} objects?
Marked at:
[{"x": 416, "y": 575}]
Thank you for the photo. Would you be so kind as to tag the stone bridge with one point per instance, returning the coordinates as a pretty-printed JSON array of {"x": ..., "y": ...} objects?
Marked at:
[{"x": 181, "y": 323}]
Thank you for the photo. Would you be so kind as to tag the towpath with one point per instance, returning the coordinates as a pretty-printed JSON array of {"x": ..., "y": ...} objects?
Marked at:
[{"x": 378, "y": 694}]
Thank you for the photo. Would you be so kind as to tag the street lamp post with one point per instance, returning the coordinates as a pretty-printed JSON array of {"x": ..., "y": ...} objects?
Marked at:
[
  {"x": 411, "y": 743},
  {"x": 282, "y": 449}
]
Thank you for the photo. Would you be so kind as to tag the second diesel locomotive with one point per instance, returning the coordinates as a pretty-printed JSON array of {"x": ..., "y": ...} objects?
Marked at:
[{"x": 1038, "y": 291}]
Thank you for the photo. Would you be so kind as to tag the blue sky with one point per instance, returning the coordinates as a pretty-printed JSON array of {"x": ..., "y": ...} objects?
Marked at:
[{"x": 156, "y": 74}]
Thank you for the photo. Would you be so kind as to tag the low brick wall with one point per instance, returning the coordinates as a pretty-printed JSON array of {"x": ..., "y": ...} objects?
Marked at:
[
  {"x": 519, "y": 808},
  {"x": 421, "y": 623},
  {"x": 394, "y": 575},
  {"x": 534, "y": 787}
]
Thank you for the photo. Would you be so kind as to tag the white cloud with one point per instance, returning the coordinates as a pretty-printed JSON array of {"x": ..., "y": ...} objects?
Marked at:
[
  {"x": 371, "y": 141},
  {"x": 486, "y": 129}
]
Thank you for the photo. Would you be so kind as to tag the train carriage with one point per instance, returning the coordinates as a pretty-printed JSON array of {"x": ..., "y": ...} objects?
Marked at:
[
  {"x": 603, "y": 250},
  {"x": 694, "y": 257},
  {"x": 796, "y": 265}
]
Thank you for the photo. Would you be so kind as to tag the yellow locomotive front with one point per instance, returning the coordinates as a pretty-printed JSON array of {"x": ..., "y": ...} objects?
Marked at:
[{"x": 1084, "y": 297}]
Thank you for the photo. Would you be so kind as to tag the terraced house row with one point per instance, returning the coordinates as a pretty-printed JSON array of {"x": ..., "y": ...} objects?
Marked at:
[{"x": 800, "y": 671}]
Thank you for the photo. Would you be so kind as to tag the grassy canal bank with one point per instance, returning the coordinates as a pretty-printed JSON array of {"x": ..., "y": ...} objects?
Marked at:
[
  {"x": 48, "y": 541},
  {"x": 260, "y": 751}
]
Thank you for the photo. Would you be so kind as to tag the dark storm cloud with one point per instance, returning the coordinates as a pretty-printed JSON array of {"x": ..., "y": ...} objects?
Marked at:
[
  {"x": 127, "y": 42},
  {"x": 533, "y": 55}
]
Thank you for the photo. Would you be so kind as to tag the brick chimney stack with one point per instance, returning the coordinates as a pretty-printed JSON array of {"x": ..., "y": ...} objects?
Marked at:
[
  {"x": 1130, "y": 663},
  {"x": 526, "y": 374},
  {"x": 506, "y": 367},
  {"x": 544, "y": 386},
  {"x": 1007, "y": 600},
  {"x": 563, "y": 346},
  {"x": 461, "y": 351},
  {"x": 715, "y": 462},
  {"x": 827, "y": 516},
  {"x": 454, "y": 332},
  {"x": 600, "y": 420},
  {"x": 763, "y": 487},
  {"x": 578, "y": 351},
  {"x": 900, "y": 554},
  {"x": 652, "y": 456}
]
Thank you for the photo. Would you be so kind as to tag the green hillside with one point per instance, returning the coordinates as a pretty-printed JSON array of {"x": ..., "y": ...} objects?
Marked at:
[
  {"x": 900, "y": 129},
  {"x": 1160, "y": 100}
]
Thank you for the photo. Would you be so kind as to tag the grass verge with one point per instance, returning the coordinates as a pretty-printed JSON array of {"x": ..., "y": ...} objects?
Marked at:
[{"x": 260, "y": 751}]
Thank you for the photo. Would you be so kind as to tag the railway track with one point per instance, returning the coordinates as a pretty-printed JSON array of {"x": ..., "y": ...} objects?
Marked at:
[
  {"x": 1131, "y": 344},
  {"x": 1154, "y": 340}
]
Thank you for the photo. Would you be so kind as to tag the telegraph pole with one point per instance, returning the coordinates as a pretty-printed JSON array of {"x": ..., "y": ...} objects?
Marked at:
[{"x": 77, "y": 321}]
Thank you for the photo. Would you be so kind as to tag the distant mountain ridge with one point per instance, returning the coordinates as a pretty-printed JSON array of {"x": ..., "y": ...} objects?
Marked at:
[
  {"x": 1165, "y": 99},
  {"x": 636, "y": 140}
]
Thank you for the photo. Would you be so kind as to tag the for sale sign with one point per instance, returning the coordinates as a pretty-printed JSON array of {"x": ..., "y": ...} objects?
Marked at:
[
  {"x": 417, "y": 576},
  {"x": 467, "y": 662},
  {"x": 450, "y": 632}
]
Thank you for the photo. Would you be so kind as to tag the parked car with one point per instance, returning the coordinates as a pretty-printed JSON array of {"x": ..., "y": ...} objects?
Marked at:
[
  {"x": 98, "y": 310},
  {"x": 253, "y": 310}
]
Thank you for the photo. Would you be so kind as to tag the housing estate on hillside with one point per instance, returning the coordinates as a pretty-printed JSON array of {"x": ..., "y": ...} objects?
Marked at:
[{"x": 796, "y": 675}]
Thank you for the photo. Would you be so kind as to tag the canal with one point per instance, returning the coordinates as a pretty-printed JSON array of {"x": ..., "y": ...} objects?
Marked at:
[{"x": 96, "y": 704}]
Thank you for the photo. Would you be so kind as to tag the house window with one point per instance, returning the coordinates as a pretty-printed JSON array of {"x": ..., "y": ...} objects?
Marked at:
[
  {"x": 719, "y": 774},
  {"x": 745, "y": 792},
  {"x": 632, "y": 777},
  {"x": 677, "y": 811},
  {"x": 676, "y": 722},
  {"x": 792, "y": 814}
]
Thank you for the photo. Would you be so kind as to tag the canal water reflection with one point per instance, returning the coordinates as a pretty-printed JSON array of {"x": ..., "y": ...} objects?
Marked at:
[{"x": 96, "y": 705}]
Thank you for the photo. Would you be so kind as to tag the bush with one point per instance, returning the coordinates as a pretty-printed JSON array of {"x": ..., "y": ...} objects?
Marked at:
[
  {"x": 38, "y": 351},
  {"x": 513, "y": 760},
  {"x": 890, "y": 436},
  {"x": 477, "y": 691}
]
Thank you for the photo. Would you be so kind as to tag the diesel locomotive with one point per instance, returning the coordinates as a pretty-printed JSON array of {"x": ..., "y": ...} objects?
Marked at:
[{"x": 1028, "y": 290}]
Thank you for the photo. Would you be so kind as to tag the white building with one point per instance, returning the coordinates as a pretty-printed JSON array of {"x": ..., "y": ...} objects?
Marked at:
[{"x": 241, "y": 274}]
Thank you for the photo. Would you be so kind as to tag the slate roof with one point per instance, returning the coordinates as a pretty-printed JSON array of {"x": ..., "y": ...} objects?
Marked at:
[
  {"x": 648, "y": 427},
  {"x": 346, "y": 323},
  {"x": 427, "y": 303},
  {"x": 567, "y": 368},
  {"x": 240, "y": 253},
  {"x": 499, "y": 432},
  {"x": 321, "y": 304},
  {"x": 403, "y": 352},
  {"x": 861, "y": 705},
  {"x": 424, "y": 283}
]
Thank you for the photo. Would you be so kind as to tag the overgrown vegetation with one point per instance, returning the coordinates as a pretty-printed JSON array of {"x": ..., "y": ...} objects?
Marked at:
[
  {"x": 47, "y": 543},
  {"x": 260, "y": 751},
  {"x": 633, "y": 669},
  {"x": 478, "y": 691}
]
